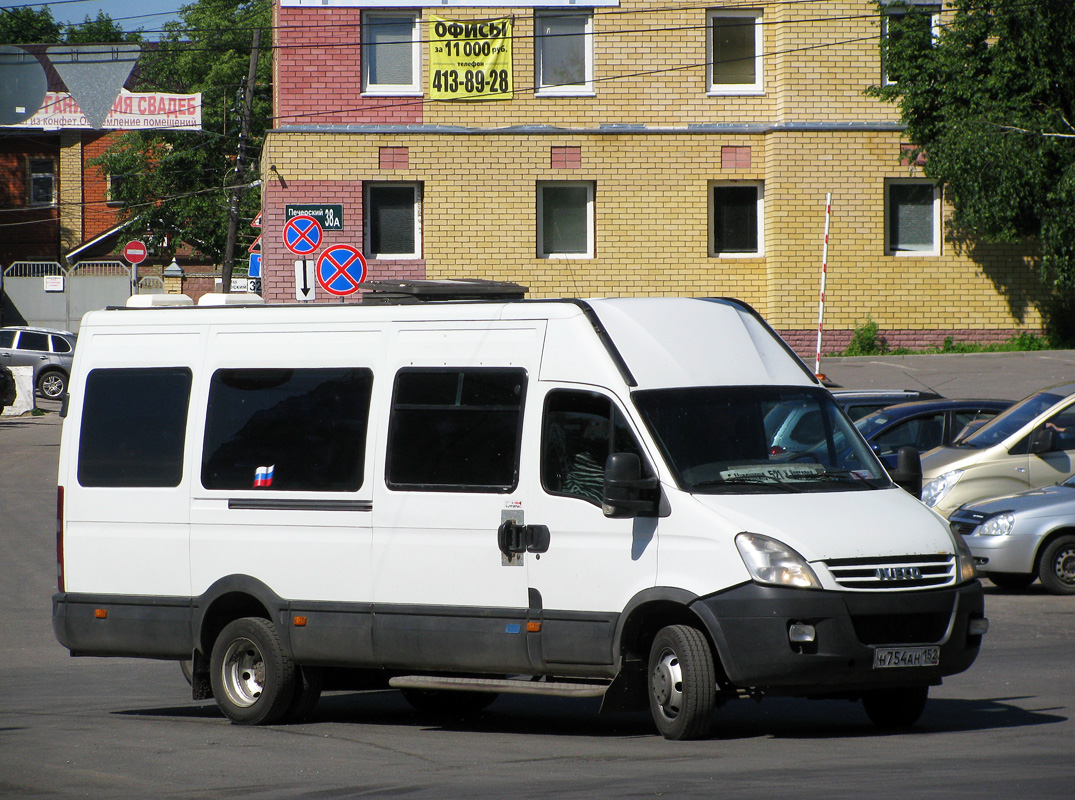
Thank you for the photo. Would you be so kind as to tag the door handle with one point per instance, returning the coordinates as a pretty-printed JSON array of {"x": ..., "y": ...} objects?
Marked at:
[{"x": 515, "y": 538}]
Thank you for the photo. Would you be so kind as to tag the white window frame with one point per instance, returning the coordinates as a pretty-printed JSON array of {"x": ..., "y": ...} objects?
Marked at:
[
  {"x": 756, "y": 88},
  {"x": 370, "y": 18},
  {"x": 31, "y": 175},
  {"x": 540, "y": 213},
  {"x": 759, "y": 187},
  {"x": 890, "y": 248},
  {"x": 367, "y": 206},
  {"x": 585, "y": 89},
  {"x": 901, "y": 10}
]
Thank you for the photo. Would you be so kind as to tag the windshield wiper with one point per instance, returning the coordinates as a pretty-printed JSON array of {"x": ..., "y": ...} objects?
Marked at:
[
  {"x": 747, "y": 480},
  {"x": 849, "y": 476}
]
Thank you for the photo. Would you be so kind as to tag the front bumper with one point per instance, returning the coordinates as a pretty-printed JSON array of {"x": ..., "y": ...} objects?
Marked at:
[{"x": 749, "y": 626}]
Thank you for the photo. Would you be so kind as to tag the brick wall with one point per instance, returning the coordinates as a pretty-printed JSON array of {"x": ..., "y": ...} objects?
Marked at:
[{"x": 27, "y": 233}]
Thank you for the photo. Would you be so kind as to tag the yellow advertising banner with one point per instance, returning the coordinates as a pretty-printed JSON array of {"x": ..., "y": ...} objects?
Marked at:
[{"x": 470, "y": 60}]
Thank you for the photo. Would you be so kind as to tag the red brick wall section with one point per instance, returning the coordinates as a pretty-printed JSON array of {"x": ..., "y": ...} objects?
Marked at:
[
  {"x": 394, "y": 157},
  {"x": 97, "y": 215},
  {"x": 734, "y": 157},
  {"x": 278, "y": 263},
  {"x": 316, "y": 83},
  {"x": 565, "y": 157},
  {"x": 26, "y": 233}
]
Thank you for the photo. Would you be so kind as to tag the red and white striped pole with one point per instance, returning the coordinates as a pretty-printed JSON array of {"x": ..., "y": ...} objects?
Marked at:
[{"x": 824, "y": 274}]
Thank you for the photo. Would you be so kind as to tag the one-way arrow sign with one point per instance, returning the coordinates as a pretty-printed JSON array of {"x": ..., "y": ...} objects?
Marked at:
[{"x": 304, "y": 279}]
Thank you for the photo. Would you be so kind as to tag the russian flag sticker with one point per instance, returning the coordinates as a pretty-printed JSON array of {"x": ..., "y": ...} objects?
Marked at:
[{"x": 263, "y": 476}]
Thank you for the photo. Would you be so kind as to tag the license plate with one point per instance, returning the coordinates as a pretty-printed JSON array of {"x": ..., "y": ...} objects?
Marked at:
[{"x": 884, "y": 657}]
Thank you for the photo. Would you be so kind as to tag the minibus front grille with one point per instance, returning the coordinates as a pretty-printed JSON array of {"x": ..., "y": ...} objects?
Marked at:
[
  {"x": 882, "y": 629},
  {"x": 894, "y": 573}
]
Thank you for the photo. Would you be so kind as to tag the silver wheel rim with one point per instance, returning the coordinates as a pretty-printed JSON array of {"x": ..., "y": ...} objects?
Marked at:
[
  {"x": 1064, "y": 566},
  {"x": 243, "y": 671},
  {"x": 667, "y": 684},
  {"x": 51, "y": 386}
]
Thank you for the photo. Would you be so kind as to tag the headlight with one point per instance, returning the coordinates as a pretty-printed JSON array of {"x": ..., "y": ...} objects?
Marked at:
[
  {"x": 774, "y": 563},
  {"x": 1000, "y": 525},
  {"x": 965, "y": 569},
  {"x": 937, "y": 488}
]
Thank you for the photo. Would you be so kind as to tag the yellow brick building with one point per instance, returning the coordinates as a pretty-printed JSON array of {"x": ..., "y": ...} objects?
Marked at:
[{"x": 646, "y": 149}]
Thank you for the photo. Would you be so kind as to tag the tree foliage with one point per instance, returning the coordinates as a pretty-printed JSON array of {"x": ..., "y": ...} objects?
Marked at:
[
  {"x": 175, "y": 184},
  {"x": 25, "y": 25},
  {"x": 990, "y": 100}
]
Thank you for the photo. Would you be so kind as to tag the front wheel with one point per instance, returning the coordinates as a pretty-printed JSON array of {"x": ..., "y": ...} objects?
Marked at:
[
  {"x": 682, "y": 683},
  {"x": 1057, "y": 569},
  {"x": 253, "y": 678},
  {"x": 894, "y": 709}
]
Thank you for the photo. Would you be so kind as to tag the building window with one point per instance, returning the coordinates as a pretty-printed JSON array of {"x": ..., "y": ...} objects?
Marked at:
[
  {"x": 42, "y": 181},
  {"x": 563, "y": 54},
  {"x": 907, "y": 19},
  {"x": 393, "y": 220},
  {"x": 913, "y": 218},
  {"x": 736, "y": 218},
  {"x": 734, "y": 47},
  {"x": 391, "y": 54},
  {"x": 565, "y": 218}
]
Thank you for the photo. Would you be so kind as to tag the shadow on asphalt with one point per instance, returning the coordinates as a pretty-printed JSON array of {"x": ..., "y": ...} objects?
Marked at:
[{"x": 777, "y": 718}]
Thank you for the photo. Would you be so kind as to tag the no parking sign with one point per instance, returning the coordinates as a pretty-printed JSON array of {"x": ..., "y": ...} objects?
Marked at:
[
  {"x": 302, "y": 235},
  {"x": 340, "y": 270}
]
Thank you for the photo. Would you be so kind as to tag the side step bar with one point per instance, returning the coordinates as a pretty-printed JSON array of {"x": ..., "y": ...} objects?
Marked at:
[{"x": 499, "y": 685}]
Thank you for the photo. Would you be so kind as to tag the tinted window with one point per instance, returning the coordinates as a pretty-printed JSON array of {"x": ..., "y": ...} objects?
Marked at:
[
  {"x": 456, "y": 429},
  {"x": 7, "y": 338},
  {"x": 29, "y": 340},
  {"x": 286, "y": 429},
  {"x": 580, "y": 430},
  {"x": 60, "y": 345},
  {"x": 133, "y": 427}
]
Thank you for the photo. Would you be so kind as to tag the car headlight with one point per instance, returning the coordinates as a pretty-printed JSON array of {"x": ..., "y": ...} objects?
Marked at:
[
  {"x": 774, "y": 563},
  {"x": 999, "y": 525},
  {"x": 965, "y": 569},
  {"x": 936, "y": 489}
]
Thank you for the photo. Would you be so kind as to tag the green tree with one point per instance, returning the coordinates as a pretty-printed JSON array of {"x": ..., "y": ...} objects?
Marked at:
[
  {"x": 25, "y": 25},
  {"x": 101, "y": 30},
  {"x": 175, "y": 184},
  {"x": 990, "y": 100}
]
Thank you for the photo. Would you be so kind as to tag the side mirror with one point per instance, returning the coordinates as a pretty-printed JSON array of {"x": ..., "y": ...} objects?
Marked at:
[
  {"x": 626, "y": 493},
  {"x": 908, "y": 472},
  {"x": 1044, "y": 440}
]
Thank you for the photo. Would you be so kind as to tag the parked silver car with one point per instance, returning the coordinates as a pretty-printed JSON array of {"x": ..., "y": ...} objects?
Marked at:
[
  {"x": 50, "y": 352},
  {"x": 1021, "y": 537}
]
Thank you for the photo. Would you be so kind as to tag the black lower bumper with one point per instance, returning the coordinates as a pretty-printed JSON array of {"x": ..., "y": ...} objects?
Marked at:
[{"x": 750, "y": 627}]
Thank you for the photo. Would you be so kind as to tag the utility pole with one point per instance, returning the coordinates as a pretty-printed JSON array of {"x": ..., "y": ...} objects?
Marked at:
[{"x": 240, "y": 167}]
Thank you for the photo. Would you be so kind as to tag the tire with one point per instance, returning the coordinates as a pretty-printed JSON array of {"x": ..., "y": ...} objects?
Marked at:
[
  {"x": 253, "y": 678},
  {"x": 1057, "y": 567},
  {"x": 52, "y": 384},
  {"x": 1014, "y": 581},
  {"x": 308, "y": 683},
  {"x": 448, "y": 703},
  {"x": 896, "y": 709},
  {"x": 682, "y": 683}
]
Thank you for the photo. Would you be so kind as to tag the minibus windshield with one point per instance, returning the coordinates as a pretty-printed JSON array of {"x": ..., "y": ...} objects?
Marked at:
[{"x": 758, "y": 439}]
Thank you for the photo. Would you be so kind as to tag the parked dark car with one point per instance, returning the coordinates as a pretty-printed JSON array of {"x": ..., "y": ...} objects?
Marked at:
[
  {"x": 50, "y": 352},
  {"x": 923, "y": 424},
  {"x": 857, "y": 403},
  {"x": 7, "y": 387}
]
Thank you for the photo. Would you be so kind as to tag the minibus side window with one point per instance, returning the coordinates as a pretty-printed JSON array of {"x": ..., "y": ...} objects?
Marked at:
[
  {"x": 133, "y": 427},
  {"x": 579, "y": 432},
  {"x": 286, "y": 429},
  {"x": 456, "y": 429}
]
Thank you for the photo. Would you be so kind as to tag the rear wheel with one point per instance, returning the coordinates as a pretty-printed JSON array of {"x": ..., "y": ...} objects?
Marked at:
[
  {"x": 682, "y": 683},
  {"x": 1057, "y": 568},
  {"x": 253, "y": 678},
  {"x": 894, "y": 709},
  {"x": 52, "y": 384},
  {"x": 1011, "y": 580}
]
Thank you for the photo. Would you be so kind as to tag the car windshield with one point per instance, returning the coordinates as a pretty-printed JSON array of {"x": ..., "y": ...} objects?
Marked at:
[
  {"x": 873, "y": 422},
  {"x": 1011, "y": 421},
  {"x": 756, "y": 439}
]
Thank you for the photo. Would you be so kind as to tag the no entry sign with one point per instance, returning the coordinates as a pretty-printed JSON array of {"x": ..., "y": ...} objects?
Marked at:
[
  {"x": 340, "y": 269},
  {"x": 135, "y": 252},
  {"x": 302, "y": 235}
]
